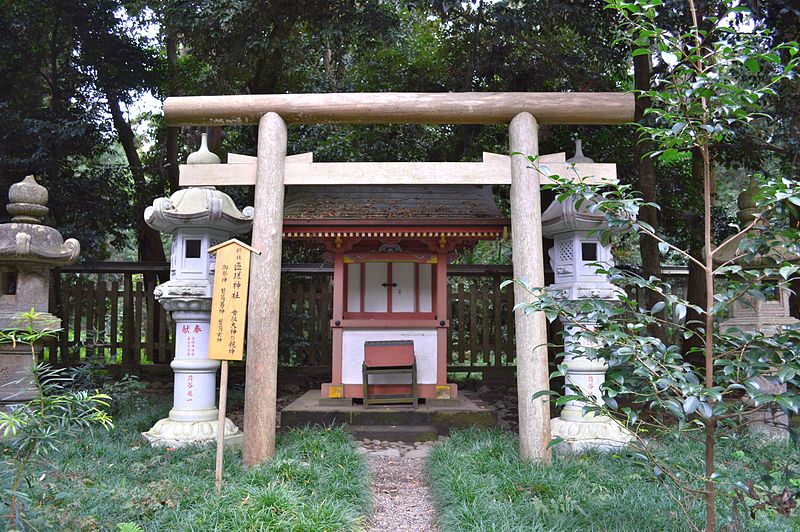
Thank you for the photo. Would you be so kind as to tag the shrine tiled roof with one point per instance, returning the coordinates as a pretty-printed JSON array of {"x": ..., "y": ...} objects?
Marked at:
[{"x": 350, "y": 203}]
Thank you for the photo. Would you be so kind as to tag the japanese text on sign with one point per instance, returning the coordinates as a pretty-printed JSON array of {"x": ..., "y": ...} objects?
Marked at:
[{"x": 229, "y": 305}]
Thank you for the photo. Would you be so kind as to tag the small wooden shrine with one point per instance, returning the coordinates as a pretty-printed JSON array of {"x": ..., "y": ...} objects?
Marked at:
[
  {"x": 390, "y": 247},
  {"x": 272, "y": 171}
]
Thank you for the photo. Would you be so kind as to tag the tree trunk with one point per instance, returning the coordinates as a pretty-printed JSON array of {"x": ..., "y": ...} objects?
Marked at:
[
  {"x": 648, "y": 246},
  {"x": 54, "y": 169},
  {"x": 696, "y": 285},
  {"x": 149, "y": 240}
]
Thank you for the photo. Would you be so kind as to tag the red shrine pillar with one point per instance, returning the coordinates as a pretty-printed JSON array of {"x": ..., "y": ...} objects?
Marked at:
[{"x": 443, "y": 390}]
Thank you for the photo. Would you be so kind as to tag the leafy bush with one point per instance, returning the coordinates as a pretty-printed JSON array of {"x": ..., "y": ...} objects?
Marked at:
[
  {"x": 34, "y": 429},
  {"x": 713, "y": 83}
]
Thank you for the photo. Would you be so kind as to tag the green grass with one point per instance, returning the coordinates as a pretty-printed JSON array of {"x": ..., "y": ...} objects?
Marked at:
[
  {"x": 317, "y": 481},
  {"x": 479, "y": 483}
]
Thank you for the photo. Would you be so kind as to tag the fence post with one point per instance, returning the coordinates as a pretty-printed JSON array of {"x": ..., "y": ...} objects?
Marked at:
[{"x": 128, "y": 360}]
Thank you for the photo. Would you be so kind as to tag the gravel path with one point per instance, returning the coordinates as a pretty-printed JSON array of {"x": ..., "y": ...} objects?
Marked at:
[{"x": 401, "y": 498}]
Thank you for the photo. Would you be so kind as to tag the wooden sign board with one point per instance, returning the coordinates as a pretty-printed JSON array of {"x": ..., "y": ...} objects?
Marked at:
[{"x": 229, "y": 303}]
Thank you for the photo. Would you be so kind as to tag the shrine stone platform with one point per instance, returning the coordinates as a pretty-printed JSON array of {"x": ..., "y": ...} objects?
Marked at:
[{"x": 390, "y": 422}]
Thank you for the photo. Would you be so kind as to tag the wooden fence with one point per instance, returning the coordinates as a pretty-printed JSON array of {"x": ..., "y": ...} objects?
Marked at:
[
  {"x": 481, "y": 322},
  {"x": 481, "y": 333},
  {"x": 108, "y": 311}
]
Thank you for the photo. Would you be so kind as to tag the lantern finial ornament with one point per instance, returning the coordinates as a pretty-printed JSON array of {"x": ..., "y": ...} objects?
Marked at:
[
  {"x": 203, "y": 155},
  {"x": 579, "y": 157},
  {"x": 27, "y": 201}
]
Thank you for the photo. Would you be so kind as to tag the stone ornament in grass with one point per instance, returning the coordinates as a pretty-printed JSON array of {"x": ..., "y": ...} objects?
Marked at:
[
  {"x": 29, "y": 249},
  {"x": 578, "y": 258},
  {"x": 197, "y": 218}
]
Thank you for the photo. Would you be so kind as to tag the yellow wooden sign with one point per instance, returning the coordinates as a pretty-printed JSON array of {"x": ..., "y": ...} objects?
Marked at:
[{"x": 229, "y": 303}]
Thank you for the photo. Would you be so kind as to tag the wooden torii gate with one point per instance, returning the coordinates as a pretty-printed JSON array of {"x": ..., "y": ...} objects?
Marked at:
[{"x": 272, "y": 170}]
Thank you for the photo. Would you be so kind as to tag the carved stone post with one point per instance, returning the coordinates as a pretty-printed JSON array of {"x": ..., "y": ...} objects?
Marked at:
[{"x": 197, "y": 218}]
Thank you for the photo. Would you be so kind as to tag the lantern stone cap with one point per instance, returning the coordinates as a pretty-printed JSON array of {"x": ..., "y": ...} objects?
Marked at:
[
  {"x": 236, "y": 241},
  {"x": 566, "y": 216},
  {"x": 27, "y": 239},
  {"x": 27, "y": 201},
  {"x": 198, "y": 207}
]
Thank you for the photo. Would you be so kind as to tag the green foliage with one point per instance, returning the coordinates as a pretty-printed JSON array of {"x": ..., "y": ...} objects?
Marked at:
[
  {"x": 92, "y": 375},
  {"x": 129, "y": 527},
  {"x": 652, "y": 387},
  {"x": 316, "y": 481},
  {"x": 711, "y": 90},
  {"x": 62, "y": 58},
  {"x": 32, "y": 430},
  {"x": 61, "y": 61},
  {"x": 480, "y": 483},
  {"x": 717, "y": 80}
]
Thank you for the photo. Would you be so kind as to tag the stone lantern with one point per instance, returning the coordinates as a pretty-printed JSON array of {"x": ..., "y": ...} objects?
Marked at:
[
  {"x": 573, "y": 255},
  {"x": 198, "y": 218},
  {"x": 752, "y": 314},
  {"x": 28, "y": 250}
]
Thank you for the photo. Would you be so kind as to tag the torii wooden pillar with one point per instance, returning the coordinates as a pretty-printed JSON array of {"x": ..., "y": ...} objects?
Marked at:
[{"x": 522, "y": 111}]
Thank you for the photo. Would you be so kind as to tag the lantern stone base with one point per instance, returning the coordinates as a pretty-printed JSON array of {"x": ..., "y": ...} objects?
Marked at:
[
  {"x": 171, "y": 433},
  {"x": 16, "y": 378},
  {"x": 597, "y": 433}
]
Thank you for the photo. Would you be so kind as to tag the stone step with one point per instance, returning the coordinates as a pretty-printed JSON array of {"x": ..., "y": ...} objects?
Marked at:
[
  {"x": 404, "y": 433},
  {"x": 459, "y": 414}
]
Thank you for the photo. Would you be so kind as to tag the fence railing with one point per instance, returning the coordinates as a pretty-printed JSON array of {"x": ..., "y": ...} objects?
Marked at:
[
  {"x": 481, "y": 318},
  {"x": 305, "y": 315},
  {"x": 108, "y": 311}
]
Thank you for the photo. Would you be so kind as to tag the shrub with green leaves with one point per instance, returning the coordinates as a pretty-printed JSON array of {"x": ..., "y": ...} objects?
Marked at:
[
  {"x": 712, "y": 84},
  {"x": 33, "y": 430}
]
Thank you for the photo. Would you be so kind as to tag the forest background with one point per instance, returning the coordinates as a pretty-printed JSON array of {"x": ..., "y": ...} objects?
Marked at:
[{"x": 74, "y": 74}]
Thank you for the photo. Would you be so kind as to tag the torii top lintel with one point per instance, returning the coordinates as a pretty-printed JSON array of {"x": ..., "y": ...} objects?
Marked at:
[{"x": 589, "y": 108}]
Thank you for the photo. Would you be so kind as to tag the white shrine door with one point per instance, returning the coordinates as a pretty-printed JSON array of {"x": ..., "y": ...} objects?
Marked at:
[
  {"x": 403, "y": 291},
  {"x": 389, "y": 288}
]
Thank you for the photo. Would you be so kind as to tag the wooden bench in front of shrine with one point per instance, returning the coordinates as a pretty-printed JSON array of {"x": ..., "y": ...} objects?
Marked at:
[{"x": 390, "y": 358}]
